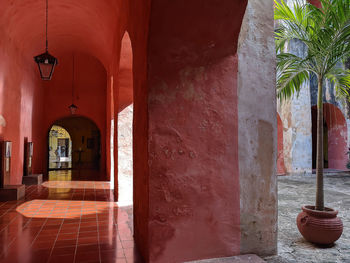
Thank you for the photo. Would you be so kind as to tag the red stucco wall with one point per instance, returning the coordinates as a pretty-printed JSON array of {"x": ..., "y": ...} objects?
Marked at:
[
  {"x": 109, "y": 119},
  {"x": 194, "y": 197},
  {"x": 125, "y": 77},
  {"x": 137, "y": 26},
  {"x": 337, "y": 137},
  {"x": 20, "y": 104},
  {"x": 316, "y": 3}
]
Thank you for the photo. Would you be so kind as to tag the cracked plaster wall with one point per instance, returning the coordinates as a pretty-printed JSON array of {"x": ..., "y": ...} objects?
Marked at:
[
  {"x": 192, "y": 129},
  {"x": 296, "y": 118}
]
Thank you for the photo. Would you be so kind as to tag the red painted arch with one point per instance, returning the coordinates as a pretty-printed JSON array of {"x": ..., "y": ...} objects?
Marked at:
[
  {"x": 125, "y": 73},
  {"x": 62, "y": 122},
  {"x": 337, "y": 136}
]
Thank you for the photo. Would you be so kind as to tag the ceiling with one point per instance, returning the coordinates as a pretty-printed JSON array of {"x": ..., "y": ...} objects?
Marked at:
[{"x": 88, "y": 26}]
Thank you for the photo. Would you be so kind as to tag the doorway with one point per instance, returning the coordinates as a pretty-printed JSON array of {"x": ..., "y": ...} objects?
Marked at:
[
  {"x": 75, "y": 144},
  {"x": 125, "y": 124},
  {"x": 60, "y": 148}
]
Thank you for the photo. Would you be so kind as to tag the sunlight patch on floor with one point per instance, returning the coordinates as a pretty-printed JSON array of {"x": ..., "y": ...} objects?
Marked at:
[
  {"x": 67, "y": 209},
  {"x": 77, "y": 184}
]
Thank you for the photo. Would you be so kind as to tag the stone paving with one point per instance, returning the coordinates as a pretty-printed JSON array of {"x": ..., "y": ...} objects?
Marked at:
[{"x": 297, "y": 190}]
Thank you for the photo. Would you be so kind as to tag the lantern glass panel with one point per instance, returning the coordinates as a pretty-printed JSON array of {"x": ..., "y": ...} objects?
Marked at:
[{"x": 46, "y": 70}]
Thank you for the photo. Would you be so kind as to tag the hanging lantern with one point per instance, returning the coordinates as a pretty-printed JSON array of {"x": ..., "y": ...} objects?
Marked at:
[
  {"x": 45, "y": 61},
  {"x": 73, "y": 108},
  {"x": 46, "y": 64}
]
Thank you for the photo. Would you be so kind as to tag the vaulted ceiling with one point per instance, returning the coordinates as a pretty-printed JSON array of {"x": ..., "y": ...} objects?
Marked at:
[{"x": 88, "y": 26}]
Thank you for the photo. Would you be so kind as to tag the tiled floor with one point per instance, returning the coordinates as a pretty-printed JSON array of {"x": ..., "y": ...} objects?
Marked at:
[
  {"x": 66, "y": 221},
  {"x": 76, "y": 175}
]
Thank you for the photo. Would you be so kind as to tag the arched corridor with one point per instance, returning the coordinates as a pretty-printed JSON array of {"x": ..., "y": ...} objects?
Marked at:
[{"x": 198, "y": 146}]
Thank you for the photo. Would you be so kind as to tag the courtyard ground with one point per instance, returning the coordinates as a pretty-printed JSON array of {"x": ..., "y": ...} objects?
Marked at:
[{"x": 297, "y": 190}]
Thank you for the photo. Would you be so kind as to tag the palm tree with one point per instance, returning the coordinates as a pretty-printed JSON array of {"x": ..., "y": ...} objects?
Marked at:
[{"x": 325, "y": 33}]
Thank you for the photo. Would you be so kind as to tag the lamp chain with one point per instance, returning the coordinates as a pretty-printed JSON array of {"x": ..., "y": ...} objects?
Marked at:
[
  {"x": 73, "y": 82},
  {"x": 47, "y": 21}
]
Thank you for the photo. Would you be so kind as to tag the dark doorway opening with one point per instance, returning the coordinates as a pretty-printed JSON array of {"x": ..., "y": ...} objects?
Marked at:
[{"x": 74, "y": 143}]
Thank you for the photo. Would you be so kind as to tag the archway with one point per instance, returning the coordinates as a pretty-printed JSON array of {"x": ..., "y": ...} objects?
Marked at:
[
  {"x": 280, "y": 156},
  {"x": 125, "y": 123},
  {"x": 335, "y": 137},
  {"x": 60, "y": 148},
  {"x": 84, "y": 145}
]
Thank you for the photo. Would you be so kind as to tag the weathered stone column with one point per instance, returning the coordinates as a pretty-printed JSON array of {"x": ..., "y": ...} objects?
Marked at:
[
  {"x": 188, "y": 197},
  {"x": 257, "y": 136}
]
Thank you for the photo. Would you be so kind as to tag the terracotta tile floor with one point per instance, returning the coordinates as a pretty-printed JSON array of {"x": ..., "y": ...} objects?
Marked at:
[{"x": 66, "y": 221}]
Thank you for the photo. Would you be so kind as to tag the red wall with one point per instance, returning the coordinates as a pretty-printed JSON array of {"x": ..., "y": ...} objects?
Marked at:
[
  {"x": 125, "y": 77},
  {"x": 90, "y": 88},
  {"x": 20, "y": 104},
  {"x": 89, "y": 27},
  {"x": 138, "y": 27},
  {"x": 316, "y": 3},
  {"x": 109, "y": 119},
  {"x": 194, "y": 190},
  {"x": 337, "y": 137}
]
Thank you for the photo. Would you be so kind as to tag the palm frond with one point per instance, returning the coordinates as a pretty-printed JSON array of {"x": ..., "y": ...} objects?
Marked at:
[
  {"x": 341, "y": 80},
  {"x": 325, "y": 34},
  {"x": 292, "y": 72}
]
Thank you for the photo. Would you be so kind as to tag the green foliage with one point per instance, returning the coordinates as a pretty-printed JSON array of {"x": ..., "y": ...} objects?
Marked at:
[{"x": 325, "y": 32}]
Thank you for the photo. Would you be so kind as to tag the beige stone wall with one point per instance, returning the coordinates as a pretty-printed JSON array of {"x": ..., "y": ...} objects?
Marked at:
[{"x": 257, "y": 130}]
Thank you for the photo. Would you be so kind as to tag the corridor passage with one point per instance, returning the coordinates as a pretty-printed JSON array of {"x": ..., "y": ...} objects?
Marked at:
[{"x": 66, "y": 221}]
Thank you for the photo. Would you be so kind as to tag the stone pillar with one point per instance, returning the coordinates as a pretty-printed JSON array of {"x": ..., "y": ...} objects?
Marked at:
[
  {"x": 257, "y": 134},
  {"x": 188, "y": 199},
  {"x": 192, "y": 110}
]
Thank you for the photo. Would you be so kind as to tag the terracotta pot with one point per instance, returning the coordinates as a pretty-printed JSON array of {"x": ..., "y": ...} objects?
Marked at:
[{"x": 319, "y": 227}]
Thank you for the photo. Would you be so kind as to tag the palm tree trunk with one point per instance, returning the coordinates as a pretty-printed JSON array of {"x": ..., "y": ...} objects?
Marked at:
[{"x": 319, "y": 151}]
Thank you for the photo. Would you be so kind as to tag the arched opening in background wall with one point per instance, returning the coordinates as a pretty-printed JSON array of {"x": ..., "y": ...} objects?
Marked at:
[
  {"x": 125, "y": 123},
  {"x": 280, "y": 156},
  {"x": 335, "y": 137},
  {"x": 85, "y": 146},
  {"x": 60, "y": 148}
]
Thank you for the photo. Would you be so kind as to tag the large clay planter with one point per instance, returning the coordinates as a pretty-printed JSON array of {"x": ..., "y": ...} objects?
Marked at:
[{"x": 319, "y": 227}]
